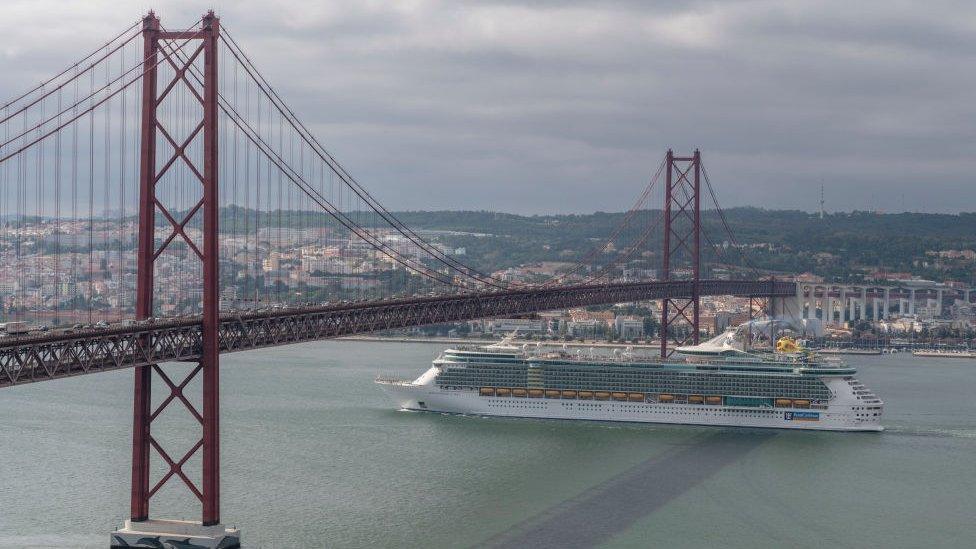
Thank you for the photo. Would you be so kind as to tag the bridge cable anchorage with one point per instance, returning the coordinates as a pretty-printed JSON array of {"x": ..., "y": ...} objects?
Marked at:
[
  {"x": 347, "y": 178},
  {"x": 274, "y": 157},
  {"x": 595, "y": 251}
]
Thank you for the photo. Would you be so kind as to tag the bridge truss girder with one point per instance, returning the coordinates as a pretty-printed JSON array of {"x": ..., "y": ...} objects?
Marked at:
[{"x": 55, "y": 356}]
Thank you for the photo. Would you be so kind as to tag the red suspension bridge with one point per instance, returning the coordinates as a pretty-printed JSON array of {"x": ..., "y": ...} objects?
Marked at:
[{"x": 161, "y": 187}]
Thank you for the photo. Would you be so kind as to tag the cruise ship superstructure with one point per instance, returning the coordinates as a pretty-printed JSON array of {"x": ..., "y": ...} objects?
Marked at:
[{"x": 715, "y": 383}]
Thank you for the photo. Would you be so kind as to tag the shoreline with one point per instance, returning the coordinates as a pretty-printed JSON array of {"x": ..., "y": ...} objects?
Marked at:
[
  {"x": 481, "y": 341},
  {"x": 606, "y": 345}
]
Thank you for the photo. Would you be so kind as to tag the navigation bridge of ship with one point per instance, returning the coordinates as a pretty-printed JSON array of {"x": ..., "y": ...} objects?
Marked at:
[{"x": 160, "y": 202}]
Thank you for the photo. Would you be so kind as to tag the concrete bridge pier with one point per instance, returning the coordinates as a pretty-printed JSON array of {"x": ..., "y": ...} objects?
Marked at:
[
  {"x": 864, "y": 303},
  {"x": 798, "y": 303},
  {"x": 842, "y": 313},
  {"x": 790, "y": 308}
]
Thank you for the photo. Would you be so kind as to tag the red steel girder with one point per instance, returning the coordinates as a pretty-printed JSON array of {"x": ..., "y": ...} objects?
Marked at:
[
  {"x": 55, "y": 355},
  {"x": 682, "y": 199},
  {"x": 200, "y": 342}
]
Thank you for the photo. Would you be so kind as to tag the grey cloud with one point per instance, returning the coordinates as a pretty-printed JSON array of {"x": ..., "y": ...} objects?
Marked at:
[{"x": 568, "y": 106}]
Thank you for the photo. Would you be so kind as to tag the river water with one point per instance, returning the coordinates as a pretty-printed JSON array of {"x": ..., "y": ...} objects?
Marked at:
[{"x": 314, "y": 456}]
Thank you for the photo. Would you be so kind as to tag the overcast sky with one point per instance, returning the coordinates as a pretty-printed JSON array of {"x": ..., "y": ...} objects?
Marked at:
[{"x": 536, "y": 107}]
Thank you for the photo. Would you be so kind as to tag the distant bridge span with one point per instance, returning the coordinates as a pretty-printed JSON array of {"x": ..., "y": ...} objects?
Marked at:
[{"x": 57, "y": 355}]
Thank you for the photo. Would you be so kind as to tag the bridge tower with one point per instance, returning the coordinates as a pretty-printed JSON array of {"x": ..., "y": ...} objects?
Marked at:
[
  {"x": 682, "y": 240},
  {"x": 165, "y": 49}
]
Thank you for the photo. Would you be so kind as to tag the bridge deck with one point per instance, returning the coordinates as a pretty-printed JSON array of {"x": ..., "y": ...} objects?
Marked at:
[{"x": 56, "y": 355}]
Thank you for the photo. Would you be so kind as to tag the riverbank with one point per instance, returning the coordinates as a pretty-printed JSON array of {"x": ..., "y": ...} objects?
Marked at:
[
  {"x": 481, "y": 341},
  {"x": 644, "y": 346},
  {"x": 842, "y": 351}
]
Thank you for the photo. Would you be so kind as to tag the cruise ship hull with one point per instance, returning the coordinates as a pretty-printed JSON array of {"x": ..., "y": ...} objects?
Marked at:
[{"x": 430, "y": 398}]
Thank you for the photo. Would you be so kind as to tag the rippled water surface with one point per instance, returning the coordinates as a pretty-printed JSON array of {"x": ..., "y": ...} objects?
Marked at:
[{"x": 313, "y": 455}]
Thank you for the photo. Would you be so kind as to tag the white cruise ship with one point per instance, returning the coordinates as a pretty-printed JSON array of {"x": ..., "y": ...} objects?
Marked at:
[{"x": 717, "y": 383}]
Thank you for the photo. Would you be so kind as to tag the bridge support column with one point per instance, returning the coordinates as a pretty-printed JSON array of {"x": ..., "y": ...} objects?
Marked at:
[
  {"x": 682, "y": 202},
  {"x": 159, "y": 48},
  {"x": 842, "y": 313},
  {"x": 864, "y": 304},
  {"x": 800, "y": 302}
]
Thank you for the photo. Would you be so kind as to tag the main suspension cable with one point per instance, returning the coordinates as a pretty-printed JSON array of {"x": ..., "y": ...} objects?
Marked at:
[
  {"x": 310, "y": 191},
  {"x": 344, "y": 175},
  {"x": 43, "y": 84},
  {"x": 725, "y": 222},
  {"x": 91, "y": 108},
  {"x": 596, "y": 250}
]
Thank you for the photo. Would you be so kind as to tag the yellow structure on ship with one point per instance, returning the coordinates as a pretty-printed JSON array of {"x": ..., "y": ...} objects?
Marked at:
[{"x": 787, "y": 344}]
